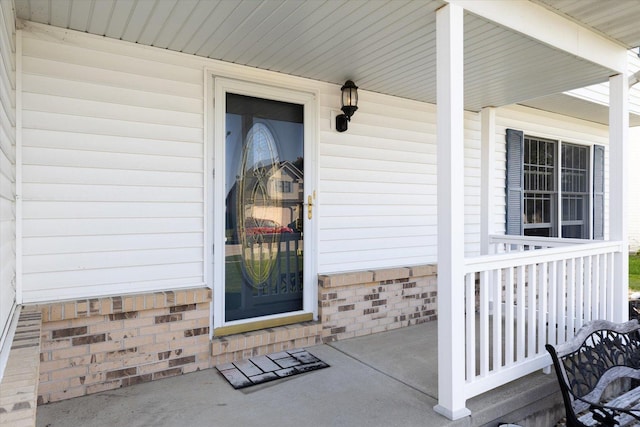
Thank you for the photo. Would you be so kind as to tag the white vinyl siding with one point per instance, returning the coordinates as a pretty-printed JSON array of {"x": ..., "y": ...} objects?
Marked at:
[
  {"x": 544, "y": 125},
  {"x": 114, "y": 156},
  {"x": 634, "y": 183},
  {"x": 113, "y": 169},
  {"x": 7, "y": 166},
  {"x": 599, "y": 94},
  {"x": 378, "y": 185}
]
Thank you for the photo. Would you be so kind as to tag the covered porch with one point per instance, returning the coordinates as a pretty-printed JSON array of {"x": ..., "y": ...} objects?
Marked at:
[
  {"x": 434, "y": 79},
  {"x": 388, "y": 378},
  {"x": 496, "y": 311}
]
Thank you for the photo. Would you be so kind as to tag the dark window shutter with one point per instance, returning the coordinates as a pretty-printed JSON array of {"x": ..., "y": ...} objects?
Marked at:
[
  {"x": 515, "y": 202},
  {"x": 598, "y": 192}
]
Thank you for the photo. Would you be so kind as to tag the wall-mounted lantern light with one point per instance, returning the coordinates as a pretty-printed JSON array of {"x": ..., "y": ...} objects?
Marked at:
[{"x": 349, "y": 105}]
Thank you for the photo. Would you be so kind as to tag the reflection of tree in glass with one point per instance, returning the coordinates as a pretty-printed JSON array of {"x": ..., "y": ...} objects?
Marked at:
[{"x": 262, "y": 144}]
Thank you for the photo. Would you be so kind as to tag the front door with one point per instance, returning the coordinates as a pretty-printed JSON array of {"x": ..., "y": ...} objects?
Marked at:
[
  {"x": 265, "y": 211},
  {"x": 263, "y": 207}
]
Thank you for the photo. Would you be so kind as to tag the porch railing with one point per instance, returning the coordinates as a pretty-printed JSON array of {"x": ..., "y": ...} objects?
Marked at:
[
  {"x": 516, "y": 301},
  {"x": 506, "y": 244}
]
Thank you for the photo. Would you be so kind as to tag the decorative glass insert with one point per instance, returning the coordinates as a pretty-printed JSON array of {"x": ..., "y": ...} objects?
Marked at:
[{"x": 263, "y": 249}]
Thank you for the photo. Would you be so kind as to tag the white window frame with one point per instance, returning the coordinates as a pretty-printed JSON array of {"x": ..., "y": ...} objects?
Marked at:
[{"x": 557, "y": 220}]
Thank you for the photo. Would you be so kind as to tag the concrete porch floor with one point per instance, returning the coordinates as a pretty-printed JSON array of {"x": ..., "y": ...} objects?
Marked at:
[{"x": 386, "y": 379}]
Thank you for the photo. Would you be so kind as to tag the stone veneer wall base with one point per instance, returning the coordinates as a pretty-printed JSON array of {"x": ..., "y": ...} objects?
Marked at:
[
  {"x": 19, "y": 386},
  {"x": 367, "y": 302},
  {"x": 231, "y": 348},
  {"x": 101, "y": 344},
  {"x": 93, "y": 345}
]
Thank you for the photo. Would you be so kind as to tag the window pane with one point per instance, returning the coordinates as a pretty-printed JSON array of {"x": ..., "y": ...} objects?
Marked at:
[
  {"x": 575, "y": 191},
  {"x": 264, "y": 180},
  {"x": 540, "y": 189}
]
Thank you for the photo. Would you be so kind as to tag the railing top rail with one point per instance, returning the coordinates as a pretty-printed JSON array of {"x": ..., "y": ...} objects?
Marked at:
[
  {"x": 514, "y": 259},
  {"x": 536, "y": 241}
]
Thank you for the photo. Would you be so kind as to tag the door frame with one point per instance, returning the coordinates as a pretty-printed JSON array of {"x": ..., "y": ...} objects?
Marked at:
[{"x": 214, "y": 188}]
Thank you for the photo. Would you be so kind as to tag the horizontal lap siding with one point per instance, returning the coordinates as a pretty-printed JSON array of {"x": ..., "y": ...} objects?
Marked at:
[
  {"x": 378, "y": 184},
  {"x": 548, "y": 125},
  {"x": 113, "y": 169},
  {"x": 7, "y": 164},
  {"x": 634, "y": 181},
  {"x": 634, "y": 171}
]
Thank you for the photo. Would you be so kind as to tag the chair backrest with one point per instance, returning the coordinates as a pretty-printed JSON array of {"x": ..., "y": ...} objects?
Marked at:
[{"x": 600, "y": 353}]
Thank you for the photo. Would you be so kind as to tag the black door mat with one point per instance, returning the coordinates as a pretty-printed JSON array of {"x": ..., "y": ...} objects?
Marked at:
[{"x": 261, "y": 369}]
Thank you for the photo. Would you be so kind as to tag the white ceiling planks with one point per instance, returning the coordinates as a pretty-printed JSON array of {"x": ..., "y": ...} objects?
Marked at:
[
  {"x": 386, "y": 46},
  {"x": 617, "y": 20}
]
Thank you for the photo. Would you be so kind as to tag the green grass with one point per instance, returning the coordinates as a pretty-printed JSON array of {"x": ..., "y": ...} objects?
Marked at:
[
  {"x": 634, "y": 272},
  {"x": 233, "y": 270}
]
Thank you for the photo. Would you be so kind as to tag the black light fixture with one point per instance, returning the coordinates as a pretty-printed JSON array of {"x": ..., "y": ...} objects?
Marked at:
[{"x": 349, "y": 105}]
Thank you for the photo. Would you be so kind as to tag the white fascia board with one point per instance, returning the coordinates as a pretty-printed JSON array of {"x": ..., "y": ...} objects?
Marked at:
[
  {"x": 550, "y": 28},
  {"x": 598, "y": 94}
]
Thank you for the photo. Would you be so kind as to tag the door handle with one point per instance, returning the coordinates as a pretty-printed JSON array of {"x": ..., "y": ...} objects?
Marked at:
[{"x": 309, "y": 207}]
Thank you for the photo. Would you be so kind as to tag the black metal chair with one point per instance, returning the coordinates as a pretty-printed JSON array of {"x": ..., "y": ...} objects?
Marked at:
[{"x": 596, "y": 371}]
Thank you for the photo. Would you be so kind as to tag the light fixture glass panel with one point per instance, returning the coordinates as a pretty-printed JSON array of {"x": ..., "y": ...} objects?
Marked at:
[{"x": 349, "y": 94}]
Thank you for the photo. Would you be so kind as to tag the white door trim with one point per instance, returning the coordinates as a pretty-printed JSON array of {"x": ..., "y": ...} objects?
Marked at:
[{"x": 216, "y": 87}]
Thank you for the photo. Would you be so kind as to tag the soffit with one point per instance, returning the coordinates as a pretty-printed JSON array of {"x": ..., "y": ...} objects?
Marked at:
[
  {"x": 385, "y": 46},
  {"x": 617, "y": 20},
  {"x": 568, "y": 105}
]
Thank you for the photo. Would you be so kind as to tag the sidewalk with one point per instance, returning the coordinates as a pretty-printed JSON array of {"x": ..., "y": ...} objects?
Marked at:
[{"x": 386, "y": 379}]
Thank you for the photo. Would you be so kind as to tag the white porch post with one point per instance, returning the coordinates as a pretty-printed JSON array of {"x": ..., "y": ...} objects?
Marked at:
[
  {"x": 487, "y": 154},
  {"x": 618, "y": 182},
  {"x": 450, "y": 135}
]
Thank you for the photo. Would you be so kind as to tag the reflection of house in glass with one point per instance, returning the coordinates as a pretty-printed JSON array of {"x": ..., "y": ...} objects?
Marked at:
[
  {"x": 277, "y": 209},
  {"x": 286, "y": 186},
  {"x": 263, "y": 273}
]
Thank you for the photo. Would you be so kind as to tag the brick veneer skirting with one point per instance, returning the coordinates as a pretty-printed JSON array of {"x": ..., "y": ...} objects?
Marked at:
[
  {"x": 272, "y": 340},
  {"x": 366, "y": 302},
  {"x": 19, "y": 385},
  {"x": 106, "y": 343}
]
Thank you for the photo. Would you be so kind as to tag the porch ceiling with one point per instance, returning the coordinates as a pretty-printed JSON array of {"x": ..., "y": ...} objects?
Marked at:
[
  {"x": 573, "y": 106},
  {"x": 617, "y": 20},
  {"x": 385, "y": 46}
]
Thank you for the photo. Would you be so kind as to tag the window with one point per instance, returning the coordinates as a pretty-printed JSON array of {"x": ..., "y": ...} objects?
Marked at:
[
  {"x": 551, "y": 190},
  {"x": 540, "y": 191},
  {"x": 284, "y": 186},
  {"x": 575, "y": 191}
]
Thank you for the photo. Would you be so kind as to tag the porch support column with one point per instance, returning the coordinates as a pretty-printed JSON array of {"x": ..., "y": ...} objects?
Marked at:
[
  {"x": 487, "y": 158},
  {"x": 450, "y": 136},
  {"x": 618, "y": 183}
]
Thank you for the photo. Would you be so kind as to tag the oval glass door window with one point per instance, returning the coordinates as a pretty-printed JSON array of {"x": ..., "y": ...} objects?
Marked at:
[{"x": 263, "y": 225}]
